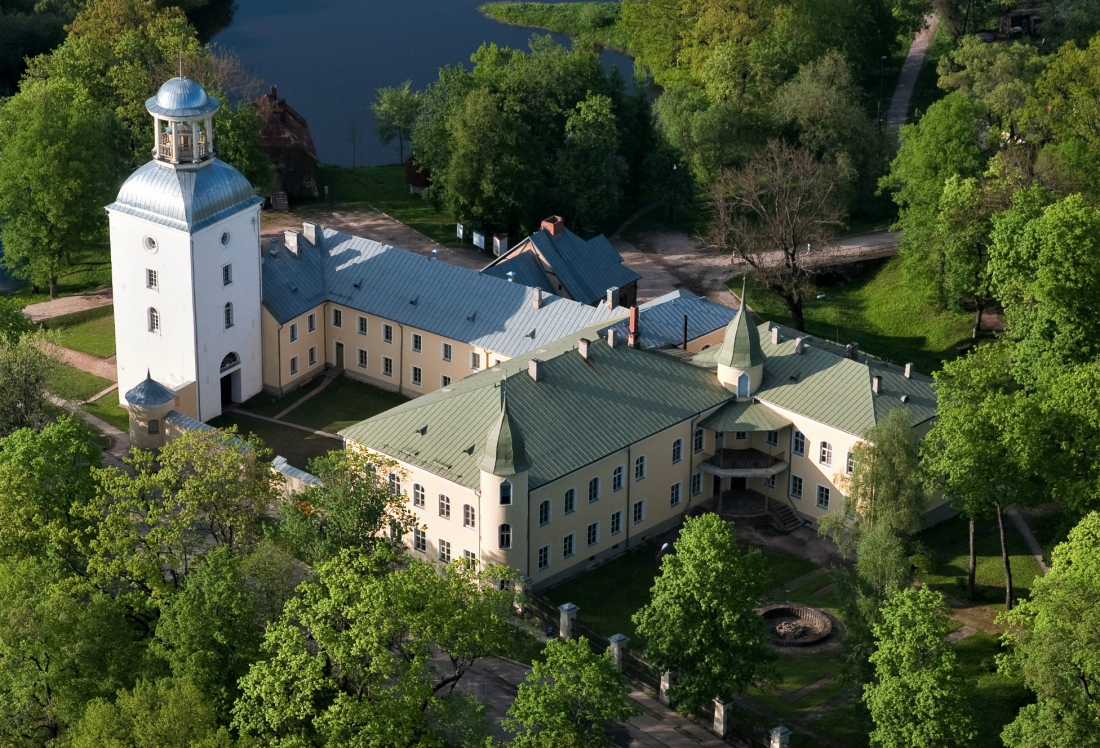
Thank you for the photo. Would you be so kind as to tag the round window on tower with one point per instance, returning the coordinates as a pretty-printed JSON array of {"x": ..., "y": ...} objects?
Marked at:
[
  {"x": 149, "y": 243},
  {"x": 225, "y": 238}
]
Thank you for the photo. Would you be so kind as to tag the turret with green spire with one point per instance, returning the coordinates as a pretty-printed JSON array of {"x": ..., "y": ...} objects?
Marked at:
[
  {"x": 740, "y": 358},
  {"x": 504, "y": 451}
]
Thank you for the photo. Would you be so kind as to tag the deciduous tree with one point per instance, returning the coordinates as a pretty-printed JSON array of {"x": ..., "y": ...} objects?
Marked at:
[
  {"x": 395, "y": 110},
  {"x": 700, "y": 620},
  {"x": 589, "y": 169},
  {"x": 25, "y": 368}
]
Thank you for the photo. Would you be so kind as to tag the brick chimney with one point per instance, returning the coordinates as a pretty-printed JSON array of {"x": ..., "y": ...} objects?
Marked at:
[
  {"x": 634, "y": 338},
  {"x": 536, "y": 298},
  {"x": 554, "y": 226},
  {"x": 582, "y": 348}
]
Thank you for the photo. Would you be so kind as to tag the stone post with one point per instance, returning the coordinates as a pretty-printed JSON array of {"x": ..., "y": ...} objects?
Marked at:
[
  {"x": 666, "y": 683},
  {"x": 721, "y": 717},
  {"x": 568, "y": 616},
  {"x": 524, "y": 592},
  {"x": 779, "y": 737},
  {"x": 618, "y": 648}
]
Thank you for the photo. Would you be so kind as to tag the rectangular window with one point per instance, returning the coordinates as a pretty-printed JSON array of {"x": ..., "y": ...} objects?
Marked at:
[
  {"x": 740, "y": 435},
  {"x": 470, "y": 558},
  {"x": 475, "y": 360},
  {"x": 337, "y": 318},
  {"x": 593, "y": 534},
  {"x": 699, "y": 442},
  {"x": 311, "y": 322},
  {"x": 387, "y": 333},
  {"x": 293, "y": 365},
  {"x": 570, "y": 500},
  {"x": 696, "y": 484},
  {"x": 796, "y": 487},
  {"x": 362, "y": 358},
  {"x": 822, "y": 497},
  {"x": 395, "y": 484},
  {"x": 387, "y": 367},
  {"x": 444, "y": 506},
  {"x": 850, "y": 463},
  {"x": 770, "y": 481},
  {"x": 418, "y": 495},
  {"x": 639, "y": 512},
  {"x": 772, "y": 438},
  {"x": 593, "y": 490},
  {"x": 362, "y": 325},
  {"x": 469, "y": 518},
  {"x": 544, "y": 513},
  {"x": 617, "y": 479},
  {"x": 227, "y": 274},
  {"x": 417, "y": 342},
  {"x": 313, "y": 355},
  {"x": 444, "y": 551},
  {"x": 639, "y": 469},
  {"x": 826, "y": 455},
  {"x": 293, "y": 332},
  {"x": 151, "y": 279},
  {"x": 798, "y": 443},
  {"x": 420, "y": 540},
  {"x": 567, "y": 545},
  {"x": 617, "y": 522},
  {"x": 674, "y": 495},
  {"x": 417, "y": 376},
  {"x": 447, "y": 351},
  {"x": 444, "y": 381},
  {"x": 544, "y": 557}
]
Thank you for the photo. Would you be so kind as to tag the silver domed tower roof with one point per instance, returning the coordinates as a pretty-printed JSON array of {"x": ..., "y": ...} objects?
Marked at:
[{"x": 181, "y": 98}]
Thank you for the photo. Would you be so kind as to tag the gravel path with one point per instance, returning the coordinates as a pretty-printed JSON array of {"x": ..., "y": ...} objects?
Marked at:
[
  {"x": 68, "y": 305},
  {"x": 910, "y": 70}
]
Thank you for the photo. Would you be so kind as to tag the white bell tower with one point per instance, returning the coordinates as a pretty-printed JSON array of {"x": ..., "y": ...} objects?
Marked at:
[{"x": 185, "y": 264}]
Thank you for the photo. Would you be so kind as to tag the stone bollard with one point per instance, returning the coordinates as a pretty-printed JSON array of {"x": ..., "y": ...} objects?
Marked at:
[
  {"x": 521, "y": 599},
  {"x": 666, "y": 683},
  {"x": 779, "y": 737},
  {"x": 568, "y": 616},
  {"x": 721, "y": 717},
  {"x": 618, "y": 648}
]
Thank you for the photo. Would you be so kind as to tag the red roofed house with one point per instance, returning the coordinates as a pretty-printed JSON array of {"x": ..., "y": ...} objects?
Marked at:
[{"x": 285, "y": 138}]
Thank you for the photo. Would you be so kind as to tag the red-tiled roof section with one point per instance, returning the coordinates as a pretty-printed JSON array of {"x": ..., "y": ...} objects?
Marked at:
[{"x": 282, "y": 125}]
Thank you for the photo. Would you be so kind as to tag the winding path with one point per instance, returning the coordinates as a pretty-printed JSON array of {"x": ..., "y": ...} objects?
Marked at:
[{"x": 910, "y": 71}]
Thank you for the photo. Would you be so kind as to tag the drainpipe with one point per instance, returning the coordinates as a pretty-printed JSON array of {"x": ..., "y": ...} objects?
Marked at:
[
  {"x": 627, "y": 517},
  {"x": 278, "y": 354},
  {"x": 400, "y": 357},
  {"x": 690, "y": 464}
]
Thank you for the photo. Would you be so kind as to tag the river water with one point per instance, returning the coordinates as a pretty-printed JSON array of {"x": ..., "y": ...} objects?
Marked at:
[{"x": 328, "y": 57}]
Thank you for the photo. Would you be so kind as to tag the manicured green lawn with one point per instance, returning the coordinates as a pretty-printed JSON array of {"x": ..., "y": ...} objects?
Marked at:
[
  {"x": 849, "y": 723},
  {"x": 873, "y": 306},
  {"x": 107, "y": 409},
  {"x": 268, "y": 405},
  {"x": 91, "y": 332},
  {"x": 795, "y": 672},
  {"x": 343, "y": 403},
  {"x": 91, "y": 270},
  {"x": 297, "y": 446},
  {"x": 384, "y": 188},
  {"x": 74, "y": 385},
  {"x": 593, "y": 20},
  {"x": 785, "y": 568}
]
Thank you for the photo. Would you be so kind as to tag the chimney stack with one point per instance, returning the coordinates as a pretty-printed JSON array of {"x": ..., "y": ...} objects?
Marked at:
[
  {"x": 876, "y": 384},
  {"x": 799, "y": 345},
  {"x": 311, "y": 233},
  {"x": 582, "y": 348},
  {"x": 612, "y": 297},
  {"x": 909, "y": 371},
  {"x": 635, "y": 328},
  {"x": 852, "y": 351},
  {"x": 612, "y": 338},
  {"x": 290, "y": 239},
  {"x": 554, "y": 226},
  {"x": 775, "y": 336},
  {"x": 685, "y": 332},
  {"x": 534, "y": 368},
  {"x": 536, "y": 298}
]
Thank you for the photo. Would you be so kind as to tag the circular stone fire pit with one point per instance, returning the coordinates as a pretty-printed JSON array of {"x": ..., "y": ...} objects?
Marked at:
[{"x": 794, "y": 625}]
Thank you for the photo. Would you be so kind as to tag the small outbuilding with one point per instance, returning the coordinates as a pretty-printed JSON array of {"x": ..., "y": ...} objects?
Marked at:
[{"x": 287, "y": 141}]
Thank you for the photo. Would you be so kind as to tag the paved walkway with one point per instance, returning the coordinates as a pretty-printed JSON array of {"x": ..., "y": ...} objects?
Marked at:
[
  {"x": 1029, "y": 538},
  {"x": 910, "y": 71},
  {"x": 104, "y": 368},
  {"x": 239, "y": 412},
  {"x": 68, "y": 305}
]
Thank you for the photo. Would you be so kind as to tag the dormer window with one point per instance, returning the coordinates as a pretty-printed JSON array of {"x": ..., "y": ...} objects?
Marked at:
[
  {"x": 743, "y": 385},
  {"x": 506, "y": 493}
]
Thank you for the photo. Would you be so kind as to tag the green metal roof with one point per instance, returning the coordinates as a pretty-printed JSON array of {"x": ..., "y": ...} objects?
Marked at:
[
  {"x": 504, "y": 450},
  {"x": 746, "y": 415},
  {"x": 578, "y": 412},
  {"x": 741, "y": 346}
]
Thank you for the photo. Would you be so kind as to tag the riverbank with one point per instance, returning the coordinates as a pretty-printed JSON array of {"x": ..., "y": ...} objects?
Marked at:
[{"x": 597, "y": 21}]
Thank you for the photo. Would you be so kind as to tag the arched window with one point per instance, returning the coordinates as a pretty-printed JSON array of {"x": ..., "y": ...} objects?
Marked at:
[
  {"x": 154, "y": 427},
  {"x": 506, "y": 493},
  {"x": 444, "y": 506},
  {"x": 230, "y": 360},
  {"x": 469, "y": 519},
  {"x": 154, "y": 320},
  {"x": 228, "y": 315},
  {"x": 677, "y": 450},
  {"x": 594, "y": 490},
  {"x": 826, "y": 455},
  {"x": 743, "y": 385},
  {"x": 544, "y": 513},
  {"x": 639, "y": 469},
  {"x": 699, "y": 441},
  {"x": 504, "y": 535}
]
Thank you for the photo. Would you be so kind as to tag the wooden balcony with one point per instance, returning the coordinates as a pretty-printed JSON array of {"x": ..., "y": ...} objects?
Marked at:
[{"x": 744, "y": 463}]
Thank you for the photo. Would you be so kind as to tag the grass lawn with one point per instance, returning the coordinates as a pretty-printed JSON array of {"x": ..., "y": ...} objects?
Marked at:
[
  {"x": 91, "y": 332},
  {"x": 849, "y": 723},
  {"x": 107, "y": 409},
  {"x": 384, "y": 188},
  {"x": 297, "y": 446},
  {"x": 72, "y": 384},
  {"x": 948, "y": 542},
  {"x": 591, "y": 20},
  {"x": 91, "y": 270},
  {"x": 995, "y": 698},
  {"x": 343, "y": 403},
  {"x": 265, "y": 404},
  {"x": 796, "y": 671},
  {"x": 872, "y": 305},
  {"x": 786, "y": 568}
]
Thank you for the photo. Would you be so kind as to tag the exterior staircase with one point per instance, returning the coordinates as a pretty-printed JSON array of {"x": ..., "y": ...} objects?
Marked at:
[{"x": 783, "y": 517}]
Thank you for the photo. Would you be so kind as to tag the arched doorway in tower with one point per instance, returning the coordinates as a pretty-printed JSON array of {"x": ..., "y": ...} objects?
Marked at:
[{"x": 231, "y": 379}]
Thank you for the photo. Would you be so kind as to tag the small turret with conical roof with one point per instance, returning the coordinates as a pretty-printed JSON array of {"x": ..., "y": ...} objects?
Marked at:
[
  {"x": 740, "y": 358},
  {"x": 504, "y": 467}
]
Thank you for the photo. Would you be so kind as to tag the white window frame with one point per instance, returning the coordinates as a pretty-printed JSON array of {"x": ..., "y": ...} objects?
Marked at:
[
  {"x": 675, "y": 494},
  {"x": 638, "y": 514},
  {"x": 791, "y": 487},
  {"x": 617, "y": 479},
  {"x": 769, "y": 481},
  {"x": 504, "y": 528},
  {"x": 417, "y": 343},
  {"x": 152, "y": 318},
  {"x": 570, "y": 501},
  {"x": 293, "y": 365},
  {"x": 444, "y": 380},
  {"x": 227, "y": 314},
  {"x": 825, "y": 454},
  {"x": 696, "y": 484},
  {"x": 445, "y": 551},
  {"x": 227, "y": 273},
  {"x": 677, "y": 451},
  {"x": 569, "y": 545},
  {"x": 594, "y": 496},
  {"x": 152, "y": 279},
  {"x": 337, "y": 318},
  {"x": 311, "y": 322},
  {"x": 798, "y": 443},
  {"x": 362, "y": 358},
  {"x": 420, "y": 540},
  {"x": 387, "y": 366},
  {"x": 416, "y": 376},
  {"x": 592, "y": 533},
  {"x": 312, "y": 358},
  {"x": 470, "y": 558},
  {"x": 418, "y": 495},
  {"x": 639, "y": 468},
  {"x": 699, "y": 441},
  {"x": 446, "y": 351},
  {"x": 469, "y": 516},
  {"x": 475, "y": 361},
  {"x": 387, "y": 334},
  {"x": 771, "y": 438},
  {"x": 850, "y": 462},
  {"x": 827, "y": 494},
  {"x": 395, "y": 484},
  {"x": 740, "y": 435},
  {"x": 293, "y": 332},
  {"x": 362, "y": 325},
  {"x": 616, "y": 522},
  {"x": 444, "y": 506}
]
